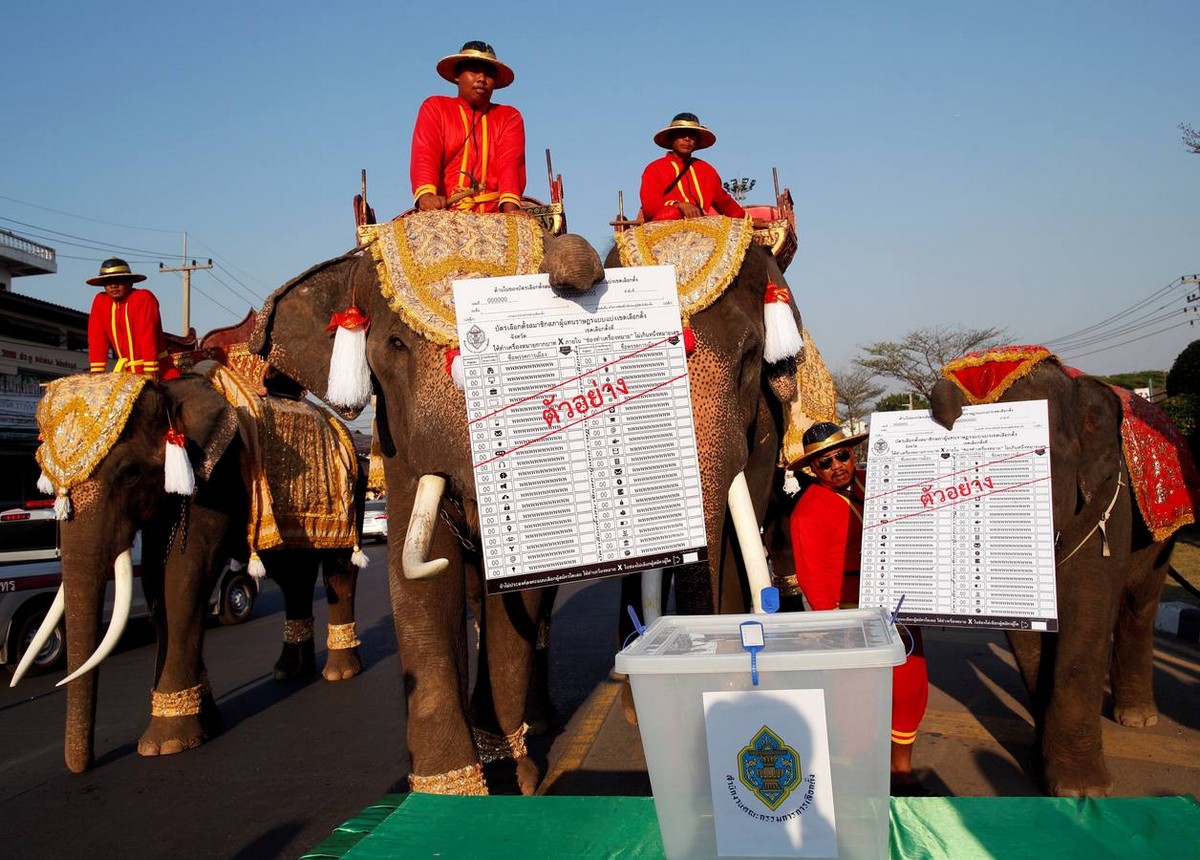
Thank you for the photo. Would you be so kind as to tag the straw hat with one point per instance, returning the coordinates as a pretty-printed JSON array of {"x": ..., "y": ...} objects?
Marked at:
[
  {"x": 685, "y": 122},
  {"x": 115, "y": 269},
  {"x": 482, "y": 52},
  {"x": 821, "y": 437}
]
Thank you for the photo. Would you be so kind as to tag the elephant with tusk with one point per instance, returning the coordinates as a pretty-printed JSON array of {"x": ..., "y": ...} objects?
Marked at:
[
  {"x": 400, "y": 281},
  {"x": 105, "y": 456}
]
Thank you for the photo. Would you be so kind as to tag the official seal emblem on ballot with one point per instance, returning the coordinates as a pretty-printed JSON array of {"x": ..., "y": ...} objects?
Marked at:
[{"x": 769, "y": 768}]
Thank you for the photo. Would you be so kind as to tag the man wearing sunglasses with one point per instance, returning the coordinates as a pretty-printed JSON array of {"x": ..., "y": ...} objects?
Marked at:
[{"x": 826, "y": 529}]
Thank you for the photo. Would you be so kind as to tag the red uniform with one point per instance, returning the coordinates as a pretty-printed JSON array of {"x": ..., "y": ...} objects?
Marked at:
[
  {"x": 133, "y": 328},
  {"x": 700, "y": 186},
  {"x": 826, "y": 531},
  {"x": 454, "y": 144}
]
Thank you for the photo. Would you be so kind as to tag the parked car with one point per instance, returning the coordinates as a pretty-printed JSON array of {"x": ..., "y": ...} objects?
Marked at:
[
  {"x": 31, "y": 572},
  {"x": 375, "y": 519}
]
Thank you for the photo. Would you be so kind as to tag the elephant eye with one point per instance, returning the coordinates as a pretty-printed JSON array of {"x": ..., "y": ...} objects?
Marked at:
[{"x": 395, "y": 342}]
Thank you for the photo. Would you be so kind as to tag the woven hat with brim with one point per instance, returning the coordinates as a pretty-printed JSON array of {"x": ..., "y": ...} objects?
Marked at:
[
  {"x": 115, "y": 269},
  {"x": 482, "y": 52},
  {"x": 822, "y": 437},
  {"x": 685, "y": 122}
]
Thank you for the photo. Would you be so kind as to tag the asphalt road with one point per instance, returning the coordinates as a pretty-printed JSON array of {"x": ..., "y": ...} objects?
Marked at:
[{"x": 298, "y": 759}]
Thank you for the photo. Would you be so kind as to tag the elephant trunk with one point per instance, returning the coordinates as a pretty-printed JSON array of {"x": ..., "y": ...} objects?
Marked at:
[
  {"x": 421, "y": 523},
  {"x": 84, "y": 596},
  {"x": 571, "y": 262}
]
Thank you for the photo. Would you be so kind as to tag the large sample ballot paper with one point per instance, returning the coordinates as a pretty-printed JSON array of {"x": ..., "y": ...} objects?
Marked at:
[
  {"x": 959, "y": 523},
  {"x": 580, "y": 419}
]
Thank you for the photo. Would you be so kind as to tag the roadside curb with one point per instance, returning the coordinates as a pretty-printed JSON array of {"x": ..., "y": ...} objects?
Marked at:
[{"x": 1179, "y": 619}]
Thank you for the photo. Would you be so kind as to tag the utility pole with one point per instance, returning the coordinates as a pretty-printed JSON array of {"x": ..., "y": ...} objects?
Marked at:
[{"x": 187, "y": 284}]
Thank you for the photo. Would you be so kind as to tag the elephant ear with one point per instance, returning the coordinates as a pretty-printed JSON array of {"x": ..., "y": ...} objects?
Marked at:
[
  {"x": 290, "y": 331},
  {"x": 946, "y": 403},
  {"x": 1099, "y": 411},
  {"x": 205, "y": 417}
]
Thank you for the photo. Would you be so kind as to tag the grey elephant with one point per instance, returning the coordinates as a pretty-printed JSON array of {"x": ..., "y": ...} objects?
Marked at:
[
  {"x": 105, "y": 456},
  {"x": 420, "y": 414},
  {"x": 1112, "y": 553}
]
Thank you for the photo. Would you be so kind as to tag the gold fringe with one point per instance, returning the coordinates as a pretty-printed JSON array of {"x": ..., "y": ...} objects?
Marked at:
[
  {"x": 494, "y": 747},
  {"x": 183, "y": 703},
  {"x": 817, "y": 401},
  {"x": 341, "y": 636},
  {"x": 295, "y": 632},
  {"x": 466, "y": 781}
]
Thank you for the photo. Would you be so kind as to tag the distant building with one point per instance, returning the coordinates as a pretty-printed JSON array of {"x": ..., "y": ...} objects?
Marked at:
[{"x": 39, "y": 341}]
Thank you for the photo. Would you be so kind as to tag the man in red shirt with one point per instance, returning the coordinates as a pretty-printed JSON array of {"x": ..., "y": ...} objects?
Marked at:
[
  {"x": 680, "y": 186},
  {"x": 468, "y": 153},
  {"x": 826, "y": 528},
  {"x": 127, "y": 320}
]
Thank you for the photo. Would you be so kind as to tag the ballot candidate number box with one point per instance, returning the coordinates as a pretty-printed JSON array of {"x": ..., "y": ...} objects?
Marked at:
[{"x": 771, "y": 740}]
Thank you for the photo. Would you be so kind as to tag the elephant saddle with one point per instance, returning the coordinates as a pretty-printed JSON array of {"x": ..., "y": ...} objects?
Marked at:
[
  {"x": 419, "y": 256},
  {"x": 707, "y": 254},
  {"x": 301, "y": 467}
]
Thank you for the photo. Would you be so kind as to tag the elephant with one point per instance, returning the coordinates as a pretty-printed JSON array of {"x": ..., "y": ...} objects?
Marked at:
[
  {"x": 186, "y": 540},
  {"x": 420, "y": 416},
  {"x": 740, "y": 401},
  {"x": 1110, "y": 563}
]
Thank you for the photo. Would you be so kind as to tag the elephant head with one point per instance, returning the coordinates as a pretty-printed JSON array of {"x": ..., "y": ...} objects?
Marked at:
[
  {"x": 105, "y": 442},
  {"x": 738, "y": 401},
  {"x": 420, "y": 416}
]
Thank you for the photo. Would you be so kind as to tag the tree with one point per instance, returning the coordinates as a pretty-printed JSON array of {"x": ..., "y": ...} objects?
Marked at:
[
  {"x": 855, "y": 389},
  {"x": 917, "y": 360},
  {"x": 901, "y": 401},
  {"x": 1156, "y": 379},
  {"x": 1191, "y": 138}
]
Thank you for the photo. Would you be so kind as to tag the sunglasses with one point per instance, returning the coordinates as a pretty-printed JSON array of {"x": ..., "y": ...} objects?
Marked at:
[{"x": 841, "y": 456}]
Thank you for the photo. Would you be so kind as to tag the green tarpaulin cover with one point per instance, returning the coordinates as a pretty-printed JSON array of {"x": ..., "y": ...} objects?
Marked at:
[{"x": 924, "y": 828}]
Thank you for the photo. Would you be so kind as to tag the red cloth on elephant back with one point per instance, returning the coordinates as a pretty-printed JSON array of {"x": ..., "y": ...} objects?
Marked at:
[
  {"x": 1161, "y": 469},
  {"x": 700, "y": 186},
  {"x": 453, "y": 143}
]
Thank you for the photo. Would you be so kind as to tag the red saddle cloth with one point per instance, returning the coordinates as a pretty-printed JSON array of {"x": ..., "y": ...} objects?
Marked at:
[{"x": 1161, "y": 468}]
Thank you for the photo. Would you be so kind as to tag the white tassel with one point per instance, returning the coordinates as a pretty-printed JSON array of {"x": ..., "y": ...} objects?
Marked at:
[
  {"x": 791, "y": 486},
  {"x": 359, "y": 558},
  {"x": 44, "y": 484},
  {"x": 456, "y": 372},
  {"x": 178, "y": 476},
  {"x": 62, "y": 505},
  {"x": 256, "y": 568},
  {"x": 783, "y": 338},
  {"x": 349, "y": 377}
]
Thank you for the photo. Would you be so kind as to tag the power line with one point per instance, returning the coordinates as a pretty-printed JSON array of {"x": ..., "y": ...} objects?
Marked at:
[
  {"x": 1131, "y": 340},
  {"x": 85, "y": 218},
  {"x": 91, "y": 243},
  {"x": 1118, "y": 315}
]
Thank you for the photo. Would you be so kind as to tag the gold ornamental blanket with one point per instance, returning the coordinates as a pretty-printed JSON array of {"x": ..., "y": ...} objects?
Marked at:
[
  {"x": 707, "y": 254},
  {"x": 817, "y": 400},
  {"x": 418, "y": 257},
  {"x": 301, "y": 466}
]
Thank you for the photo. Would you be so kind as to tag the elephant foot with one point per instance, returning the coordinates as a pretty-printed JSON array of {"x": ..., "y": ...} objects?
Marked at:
[
  {"x": 341, "y": 664},
  {"x": 297, "y": 660},
  {"x": 1075, "y": 781},
  {"x": 1138, "y": 716},
  {"x": 627, "y": 706},
  {"x": 512, "y": 776},
  {"x": 170, "y": 735}
]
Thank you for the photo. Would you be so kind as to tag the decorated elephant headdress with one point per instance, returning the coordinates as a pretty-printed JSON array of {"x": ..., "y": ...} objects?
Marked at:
[{"x": 80, "y": 418}]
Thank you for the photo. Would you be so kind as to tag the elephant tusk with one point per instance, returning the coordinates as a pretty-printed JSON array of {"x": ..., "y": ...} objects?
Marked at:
[
  {"x": 420, "y": 530},
  {"x": 53, "y": 615},
  {"x": 745, "y": 523},
  {"x": 122, "y": 598},
  {"x": 651, "y": 595}
]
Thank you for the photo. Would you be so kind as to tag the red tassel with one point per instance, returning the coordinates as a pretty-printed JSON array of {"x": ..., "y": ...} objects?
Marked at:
[
  {"x": 689, "y": 341},
  {"x": 451, "y": 354},
  {"x": 776, "y": 293},
  {"x": 352, "y": 319}
]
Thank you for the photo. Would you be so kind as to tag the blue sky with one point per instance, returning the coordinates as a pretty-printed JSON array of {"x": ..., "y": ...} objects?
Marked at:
[{"x": 1014, "y": 164}]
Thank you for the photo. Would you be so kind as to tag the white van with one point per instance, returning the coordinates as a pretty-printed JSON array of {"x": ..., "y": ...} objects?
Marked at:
[{"x": 31, "y": 572}]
